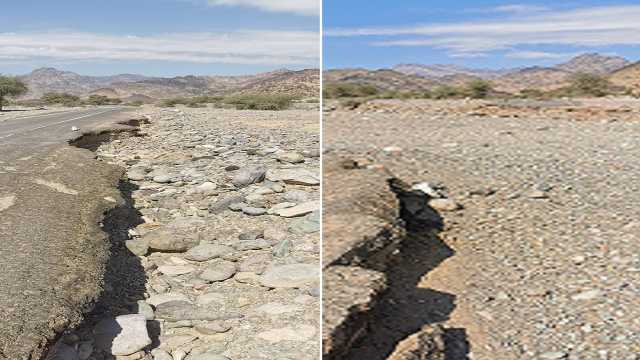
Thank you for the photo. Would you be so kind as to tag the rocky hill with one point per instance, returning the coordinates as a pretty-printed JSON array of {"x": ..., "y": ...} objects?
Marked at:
[
  {"x": 45, "y": 80},
  {"x": 628, "y": 77},
  {"x": 409, "y": 77},
  {"x": 540, "y": 78},
  {"x": 300, "y": 83},
  {"x": 446, "y": 70},
  {"x": 296, "y": 83},
  {"x": 383, "y": 79},
  {"x": 594, "y": 63}
]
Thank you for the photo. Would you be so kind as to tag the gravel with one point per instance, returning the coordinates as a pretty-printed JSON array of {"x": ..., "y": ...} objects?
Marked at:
[
  {"x": 201, "y": 182},
  {"x": 546, "y": 262}
]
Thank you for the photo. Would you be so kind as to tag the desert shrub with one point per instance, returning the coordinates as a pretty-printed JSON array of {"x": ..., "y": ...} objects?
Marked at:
[
  {"x": 447, "y": 92},
  {"x": 173, "y": 102},
  {"x": 260, "y": 101},
  {"x": 532, "y": 94},
  {"x": 53, "y": 98},
  {"x": 589, "y": 85},
  {"x": 10, "y": 87},
  {"x": 195, "y": 102},
  {"x": 342, "y": 90},
  {"x": 478, "y": 89},
  {"x": 352, "y": 103},
  {"x": 137, "y": 103},
  {"x": 102, "y": 100}
]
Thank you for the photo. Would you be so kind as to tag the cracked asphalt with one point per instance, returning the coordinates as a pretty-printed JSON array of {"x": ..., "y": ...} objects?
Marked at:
[{"x": 52, "y": 198}]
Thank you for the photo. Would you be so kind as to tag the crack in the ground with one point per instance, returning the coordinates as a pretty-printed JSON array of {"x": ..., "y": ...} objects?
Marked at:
[
  {"x": 124, "y": 278},
  {"x": 404, "y": 323}
]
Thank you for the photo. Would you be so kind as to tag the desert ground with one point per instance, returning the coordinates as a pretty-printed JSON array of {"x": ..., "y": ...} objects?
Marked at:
[
  {"x": 223, "y": 258},
  {"x": 531, "y": 247},
  {"x": 209, "y": 248}
]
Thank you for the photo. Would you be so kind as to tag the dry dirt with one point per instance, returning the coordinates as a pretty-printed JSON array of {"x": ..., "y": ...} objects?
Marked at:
[{"x": 541, "y": 260}]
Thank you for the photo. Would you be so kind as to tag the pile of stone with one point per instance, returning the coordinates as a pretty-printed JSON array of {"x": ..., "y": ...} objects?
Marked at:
[{"x": 227, "y": 242}]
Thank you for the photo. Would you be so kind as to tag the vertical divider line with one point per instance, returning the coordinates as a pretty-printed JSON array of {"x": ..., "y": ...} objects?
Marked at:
[{"x": 321, "y": 115}]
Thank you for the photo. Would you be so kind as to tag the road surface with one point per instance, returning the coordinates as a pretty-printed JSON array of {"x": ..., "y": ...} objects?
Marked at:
[
  {"x": 52, "y": 198},
  {"x": 20, "y": 136}
]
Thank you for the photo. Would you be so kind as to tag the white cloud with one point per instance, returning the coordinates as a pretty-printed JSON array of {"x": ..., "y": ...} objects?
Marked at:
[
  {"x": 519, "y": 8},
  {"x": 540, "y": 55},
  {"x": 241, "y": 47},
  {"x": 586, "y": 27},
  {"x": 300, "y": 7}
]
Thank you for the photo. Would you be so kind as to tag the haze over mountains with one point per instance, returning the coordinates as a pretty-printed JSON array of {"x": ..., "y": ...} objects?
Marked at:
[
  {"x": 302, "y": 83},
  {"x": 410, "y": 77}
]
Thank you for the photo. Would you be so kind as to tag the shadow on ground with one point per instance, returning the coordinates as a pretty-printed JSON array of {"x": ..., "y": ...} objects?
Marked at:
[
  {"x": 124, "y": 279},
  {"x": 406, "y": 308}
]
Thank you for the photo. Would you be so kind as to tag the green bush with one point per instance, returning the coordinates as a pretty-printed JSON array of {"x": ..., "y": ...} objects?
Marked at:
[
  {"x": 479, "y": 89},
  {"x": 260, "y": 101},
  {"x": 173, "y": 102},
  {"x": 102, "y": 100},
  {"x": 65, "y": 99},
  {"x": 589, "y": 85},
  {"x": 447, "y": 92},
  {"x": 197, "y": 101},
  {"x": 10, "y": 87},
  {"x": 532, "y": 94},
  {"x": 342, "y": 90}
]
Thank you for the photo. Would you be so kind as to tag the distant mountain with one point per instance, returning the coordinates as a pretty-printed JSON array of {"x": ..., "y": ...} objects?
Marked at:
[
  {"x": 382, "y": 79},
  {"x": 408, "y": 77},
  {"x": 594, "y": 63},
  {"x": 41, "y": 81},
  {"x": 45, "y": 80},
  {"x": 558, "y": 76},
  {"x": 537, "y": 77},
  {"x": 446, "y": 70},
  {"x": 305, "y": 82}
]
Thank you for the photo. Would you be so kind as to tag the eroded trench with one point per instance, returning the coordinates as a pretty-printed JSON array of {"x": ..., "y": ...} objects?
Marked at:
[
  {"x": 389, "y": 315},
  {"x": 124, "y": 279}
]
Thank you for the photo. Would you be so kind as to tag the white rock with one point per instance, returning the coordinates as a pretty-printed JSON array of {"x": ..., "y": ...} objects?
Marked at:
[
  {"x": 175, "y": 270},
  {"x": 207, "y": 188},
  {"x": 426, "y": 188},
  {"x": 587, "y": 295},
  {"x": 123, "y": 335},
  {"x": 7, "y": 202},
  {"x": 219, "y": 272},
  {"x": 158, "y": 299},
  {"x": 290, "y": 276},
  {"x": 277, "y": 308},
  {"x": 299, "y": 333},
  {"x": 299, "y": 210},
  {"x": 444, "y": 204},
  {"x": 209, "y": 298}
]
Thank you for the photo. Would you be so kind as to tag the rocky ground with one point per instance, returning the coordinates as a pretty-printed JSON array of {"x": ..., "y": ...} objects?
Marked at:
[
  {"x": 216, "y": 255},
  {"x": 539, "y": 249}
]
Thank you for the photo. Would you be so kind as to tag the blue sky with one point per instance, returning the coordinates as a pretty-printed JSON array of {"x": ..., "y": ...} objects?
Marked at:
[
  {"x": 159, "y": 37},
  {"x": 484, "y": 34}
]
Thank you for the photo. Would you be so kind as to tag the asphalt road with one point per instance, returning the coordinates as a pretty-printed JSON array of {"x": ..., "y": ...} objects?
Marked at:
[
  {"x": 52, "y": 250},
  {"x": 20, "y": 136}
]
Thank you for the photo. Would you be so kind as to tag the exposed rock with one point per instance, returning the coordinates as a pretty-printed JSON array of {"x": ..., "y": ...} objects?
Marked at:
[
  {"x": 290, "y": 276},
  {"x": 123, "y": 335}
]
